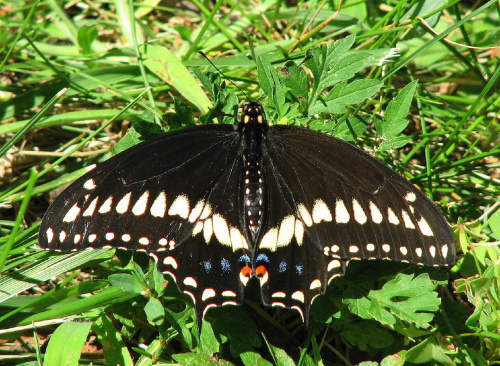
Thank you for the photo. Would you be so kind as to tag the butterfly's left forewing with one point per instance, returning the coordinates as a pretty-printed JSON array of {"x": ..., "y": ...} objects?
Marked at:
[{"x": 171, "y": 197}]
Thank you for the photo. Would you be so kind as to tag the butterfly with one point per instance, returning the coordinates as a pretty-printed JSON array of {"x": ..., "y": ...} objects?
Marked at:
[{"x": 216, "y": 205}]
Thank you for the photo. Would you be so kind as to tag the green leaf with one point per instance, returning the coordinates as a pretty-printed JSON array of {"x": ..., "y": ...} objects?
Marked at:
[
  {"x": 269, "y": 82},
  {"x": 193, "y": 359},
  {"x": 109, "y": 295},
  {"x": 397, "y": 111},
  {"x": 126, "y": 282},
  {"x": 345, "y": 94},
  {"x": 155, "y": 311},
  {"x": 351, "y": 128},
  {"x": 367, "y": 335},
  {"x": 427, "y": 352},
  {"x": 66, "y": 344},
  {"x": 157, "y": 279},
  {"x": 208, "y": 341},
  {"x": 170, "y": 69},
  {"x": 339, "y": 48},
  {"x": 146, "y": 125},
  {"x": 87, "y": 34},
  {"x": 131, "y": 138},
  {"x": 394, "y": 360},
  {"x": 296, "y": 82},
  {"x": 494, "y": 223},
  {"x": 115, "y": 350},
  {"x": 254, "y": 359},
  {"x": 325, "y": 56},
  {"x": 182, "y": 117},
  {"x": 388, "y": 129},
  {"x": 405, "y": 297},
  {"x": 393, "y": 143},
  {"x": 395, "y": 118},
  {"x": 281, "y": 358},
  {"x": 411, "y": 299},
  {"x": 345, "y": 69},
  {"x": 41, "y": 270},
  {"x": 244, "y": 337}
]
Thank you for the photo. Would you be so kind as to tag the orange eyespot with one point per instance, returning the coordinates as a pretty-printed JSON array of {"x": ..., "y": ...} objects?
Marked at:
[
  {"x": 246, "y": 271},
  {"x": 261, "y": 271}
]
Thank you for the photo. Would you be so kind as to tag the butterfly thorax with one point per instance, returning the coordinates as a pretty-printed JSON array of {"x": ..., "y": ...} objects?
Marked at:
[{"x": 253, "y": 127}]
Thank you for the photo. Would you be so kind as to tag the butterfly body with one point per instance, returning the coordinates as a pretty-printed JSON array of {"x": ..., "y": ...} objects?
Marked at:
[{"x": 216, "y": 205}]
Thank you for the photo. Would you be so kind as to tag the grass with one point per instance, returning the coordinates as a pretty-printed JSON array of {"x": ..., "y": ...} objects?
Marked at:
[{"x": 80, "y": 83}]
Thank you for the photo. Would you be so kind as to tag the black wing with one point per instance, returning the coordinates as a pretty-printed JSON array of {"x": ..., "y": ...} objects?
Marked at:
[
  {"x": 173, "y": 197},
  {"x": 330, "y": 202}
]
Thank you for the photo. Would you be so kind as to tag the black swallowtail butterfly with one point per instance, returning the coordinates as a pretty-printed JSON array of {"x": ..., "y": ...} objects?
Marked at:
[{"x": 218, "y": 204}]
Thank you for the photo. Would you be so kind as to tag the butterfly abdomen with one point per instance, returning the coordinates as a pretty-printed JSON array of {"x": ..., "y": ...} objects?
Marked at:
[
  {"x": 253, "y": 197},
  {"x": 253, "y": 127}
]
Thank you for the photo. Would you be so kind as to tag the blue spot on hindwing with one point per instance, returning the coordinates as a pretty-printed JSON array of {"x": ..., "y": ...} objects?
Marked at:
[
  {"x": 263, "y": 258},
  {"x": 244, "y": 259},
  {"x": 225, "y": 264},
  {"x": 299, "y": 268},
  {"x": 282, "y": 266},
  {"x": 207, "y": 265}
]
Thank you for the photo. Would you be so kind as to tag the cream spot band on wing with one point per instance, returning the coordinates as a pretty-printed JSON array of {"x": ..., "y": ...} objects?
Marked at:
[
  {"x": 269, "y": 240},
  {"x": 72, "y": 213},
  {"x": 391, "y": 216},
  {"x": 89, "y": 184},
  {"x": 375, "y": 213},
  {"x": 304, "y": 214},
  {"x": 91, "y": 209},
  {"x": 359, "y": 213},
  {"x": 106, "y": 206},
  {"x": 333, "y": 265},
  {"x": 159, "y": 206},
  {"x": 299, "y": 296},
  {"x": 424, "y": 227},
  {"x": 50, "y": 235},
  {"x": 221, "y": 229},
  {"x": 286, "y": 231},
  {"x": 238, "y": 241},
  {"x": 180, "y": 207},
  {"x": 432, "y": 251},
  {"x": 411, "y": 197},
  {"x": 407, "y": 220},
  {"x": 123, "y": 204},
  {"x": 444, "y": 250},
  {"x": 141, "y": 204},
  {"x": 198, "y": 209},
  {"x": 321, "y": 212},
  {"x": 341, "y": 214}
]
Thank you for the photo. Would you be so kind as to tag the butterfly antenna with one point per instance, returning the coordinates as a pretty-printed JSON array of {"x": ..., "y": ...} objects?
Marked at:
[
  {"x": 225, "y": 77},
  {"x": 286, "y": 77}
]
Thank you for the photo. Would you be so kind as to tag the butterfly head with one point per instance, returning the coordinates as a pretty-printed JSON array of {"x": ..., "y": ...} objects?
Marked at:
[{"x": 253, "y": 113}]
